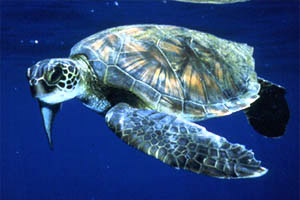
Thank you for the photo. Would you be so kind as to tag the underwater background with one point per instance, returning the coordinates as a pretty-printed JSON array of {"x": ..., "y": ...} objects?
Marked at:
[{"x": 89, "y": 162}]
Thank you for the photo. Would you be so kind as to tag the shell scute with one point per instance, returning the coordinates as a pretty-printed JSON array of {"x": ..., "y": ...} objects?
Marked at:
[
  {"x": 144, "y": 61},
  {"x": 146, "y": 93},
  {"x": 169, "y": 102},
  {"x": 115, "y": 77},
  {"x": 107, "y": 48}
]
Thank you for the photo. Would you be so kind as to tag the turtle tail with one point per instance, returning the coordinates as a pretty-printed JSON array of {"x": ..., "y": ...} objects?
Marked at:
[{"x": 269, "y": 114}]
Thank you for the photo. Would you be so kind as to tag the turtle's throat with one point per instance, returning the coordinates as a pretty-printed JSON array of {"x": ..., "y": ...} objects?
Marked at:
[{"x": 93, "y": 97}]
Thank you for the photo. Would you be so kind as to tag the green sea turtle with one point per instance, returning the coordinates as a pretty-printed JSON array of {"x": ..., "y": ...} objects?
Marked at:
[
  {"x": 151, "y": 81},
  {"x": 213, "y": 1}
]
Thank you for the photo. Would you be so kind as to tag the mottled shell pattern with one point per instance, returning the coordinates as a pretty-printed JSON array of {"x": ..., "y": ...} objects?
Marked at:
[{"x": 175, "y": 70}]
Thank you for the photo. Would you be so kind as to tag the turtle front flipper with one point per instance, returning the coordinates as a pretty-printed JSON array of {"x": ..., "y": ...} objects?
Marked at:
[{"x": 182, "y": 144}]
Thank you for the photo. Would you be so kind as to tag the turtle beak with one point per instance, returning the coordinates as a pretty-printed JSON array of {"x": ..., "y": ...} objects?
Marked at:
[{"x": 48, "y": 112}]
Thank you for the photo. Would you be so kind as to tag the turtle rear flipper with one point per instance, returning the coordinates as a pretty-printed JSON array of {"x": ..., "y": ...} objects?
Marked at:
[
  {"x": 269, "y": 114},
  {"x": 182, "y": 144}
]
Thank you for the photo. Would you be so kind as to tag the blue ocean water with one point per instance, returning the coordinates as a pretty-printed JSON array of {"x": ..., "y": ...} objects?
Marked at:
[{"x": 89, "y": 162}]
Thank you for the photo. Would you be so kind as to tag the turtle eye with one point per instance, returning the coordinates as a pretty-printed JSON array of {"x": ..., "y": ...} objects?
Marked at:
[{"x": 56, "y": 75}]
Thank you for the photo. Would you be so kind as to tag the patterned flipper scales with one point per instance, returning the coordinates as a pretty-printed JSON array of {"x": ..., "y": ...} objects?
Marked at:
[{"x": 182, "y": 144}]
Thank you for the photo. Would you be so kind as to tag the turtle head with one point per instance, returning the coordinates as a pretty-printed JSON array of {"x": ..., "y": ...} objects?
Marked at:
[{"x": 52, "y": 82}]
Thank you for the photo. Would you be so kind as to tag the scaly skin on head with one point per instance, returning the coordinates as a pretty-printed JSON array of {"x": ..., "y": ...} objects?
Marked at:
[{"x": 53, "y": 81}]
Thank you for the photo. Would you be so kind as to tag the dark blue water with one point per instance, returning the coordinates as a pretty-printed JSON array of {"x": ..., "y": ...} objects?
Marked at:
[{"x": 89, "y": 162}]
